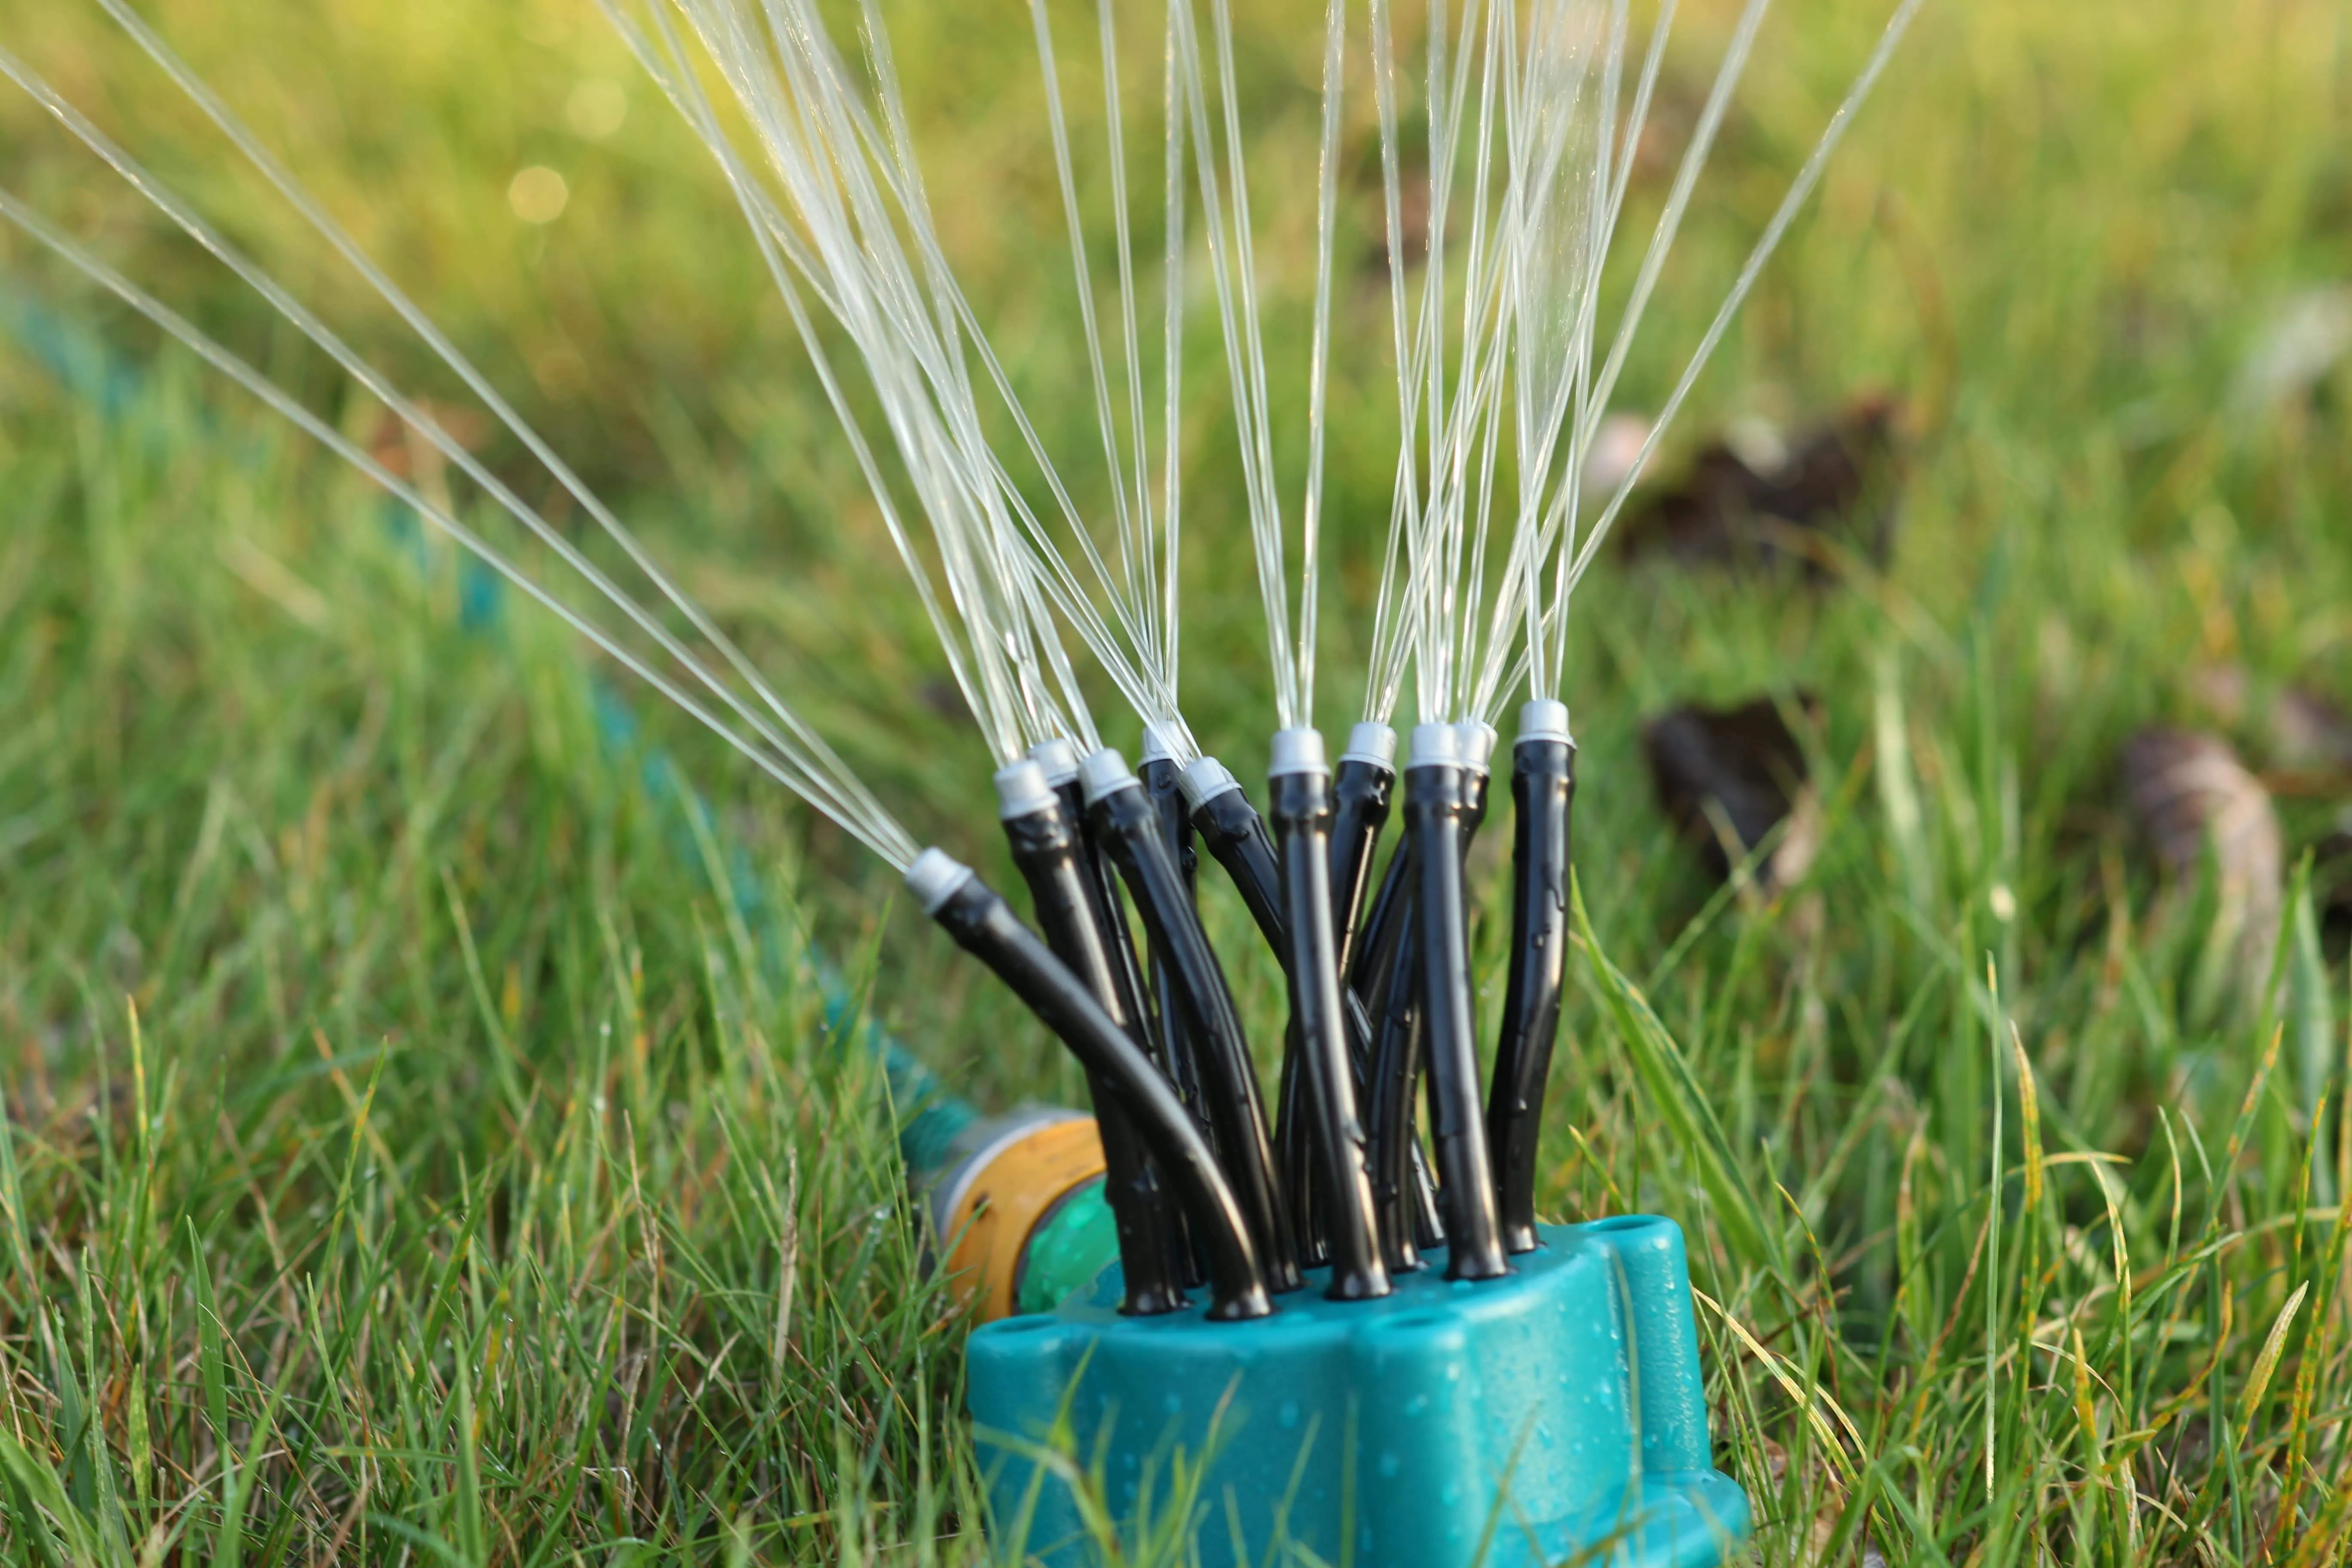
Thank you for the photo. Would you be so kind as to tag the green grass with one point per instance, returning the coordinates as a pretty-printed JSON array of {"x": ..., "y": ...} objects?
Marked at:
[{"x": 409, "y": 1155}]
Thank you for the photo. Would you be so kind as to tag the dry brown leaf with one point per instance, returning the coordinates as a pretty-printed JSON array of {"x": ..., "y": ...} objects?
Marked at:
[
  {"x": 2293, "y": 727},
  {"x": 1728, "y": 777},
  {"x": 2331, "y": 876},
  {"x": 2188, "y": 791},
  {"x": 1743, "y": 500}
]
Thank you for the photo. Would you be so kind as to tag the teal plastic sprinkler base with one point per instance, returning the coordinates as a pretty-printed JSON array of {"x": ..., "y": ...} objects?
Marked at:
[{"x": 1556, "y": 1415}]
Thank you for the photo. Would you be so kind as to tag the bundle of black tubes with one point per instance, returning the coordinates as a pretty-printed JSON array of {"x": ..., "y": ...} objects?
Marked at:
[{"x": 1381, "y": 1001}]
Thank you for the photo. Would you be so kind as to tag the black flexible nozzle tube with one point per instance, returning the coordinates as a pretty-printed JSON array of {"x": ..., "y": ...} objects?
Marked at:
[
  {"x": 1386, "y": 977},
  {"x": 1379, "y": 932},
  {"x": 1128, "y": 826},
  {"x": 1360, "y": 789},
  {"x": 1059, "y": 759},
  {"x": 1394, "y": 1079},
  {"x": 1300, "y": 791},
  {"x": 1478, "y": 757},
  {"x": 1543, "y": 788},
  {"x": 1162, "y": 782},
  {"x": 1294, "y": 1152},
  {"x": 1235, "y": 836},
  {"x": 1428, "y": 1224},
  {"x": 1047, "y": 849},
  {"x": 1302, "y": 1167},
  {"x": 1435, "y": 799},
  {"x": 986, "y": 926}
]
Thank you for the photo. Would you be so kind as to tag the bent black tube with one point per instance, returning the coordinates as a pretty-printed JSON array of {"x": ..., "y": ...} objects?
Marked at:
[
  {"x": 1385, "y": 979},
  {"x": 1436, "y": 796},
  {"x": 1389, "y": 1095},
  {"x": 1046, "y": 849},
  {"x": 1360, "y": 808},
  {"x": 1301, "y": 802},
  {"x": 1162, "y": 778},
  {"x": 1163, "y": 782},
  {"x": 1473, "y": 807},
  {"x": 1383, "y": 926},
  {"x": 1109, "y": 917},
  {"x": 1403, "y": 1189},
  {"x": 1128, "y": 827},
  {"x": 1059, "y": 760},
  {"x": 1302, "y": 1171},
  {"x": 1294, "y": 1153},
  {"x": 1382, "y": 982},
  {"x": 1543, "y": 788},
  {"x": 986, "y": 926},
  {"x": 1235, "y": 837},
  {"x": 1477, "y": 752},
  {"x": 1427, "y": 1223}
]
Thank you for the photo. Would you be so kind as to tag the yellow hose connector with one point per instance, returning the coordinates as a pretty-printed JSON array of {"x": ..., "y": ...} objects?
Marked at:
[{"x": 986, "y": 1209}]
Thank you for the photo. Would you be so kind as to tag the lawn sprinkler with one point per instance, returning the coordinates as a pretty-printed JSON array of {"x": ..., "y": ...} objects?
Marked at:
[
  {"x": 1524, "y": 1405},
  {"x": 1315, "y": 1326}
]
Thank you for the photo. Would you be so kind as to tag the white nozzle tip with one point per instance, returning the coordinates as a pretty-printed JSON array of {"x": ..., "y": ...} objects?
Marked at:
[
  {"x": 1373, "y": 744},
  {"x": 1058, "y": 758},
  {"x": 1103, "y": 772},
  {"x": 1022, "y": 790},
  {"x": 1155, "y": 748},
  {"x": 1204, "y": 781},
  {"x": 1545, "y": 719},
  {"x": 935, "y": 878},
  {"x": 1436, "y": 745},
  {"x": 1297, "y": 752},
  {"x": 1478, "y": 738}
]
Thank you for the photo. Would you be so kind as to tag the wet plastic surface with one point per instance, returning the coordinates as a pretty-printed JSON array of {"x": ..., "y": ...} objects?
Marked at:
[{"x": 1556, "y": 1412}]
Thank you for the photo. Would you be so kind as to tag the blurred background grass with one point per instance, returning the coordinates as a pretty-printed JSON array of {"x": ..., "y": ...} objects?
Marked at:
[{"x": 440, "y": 1031}]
